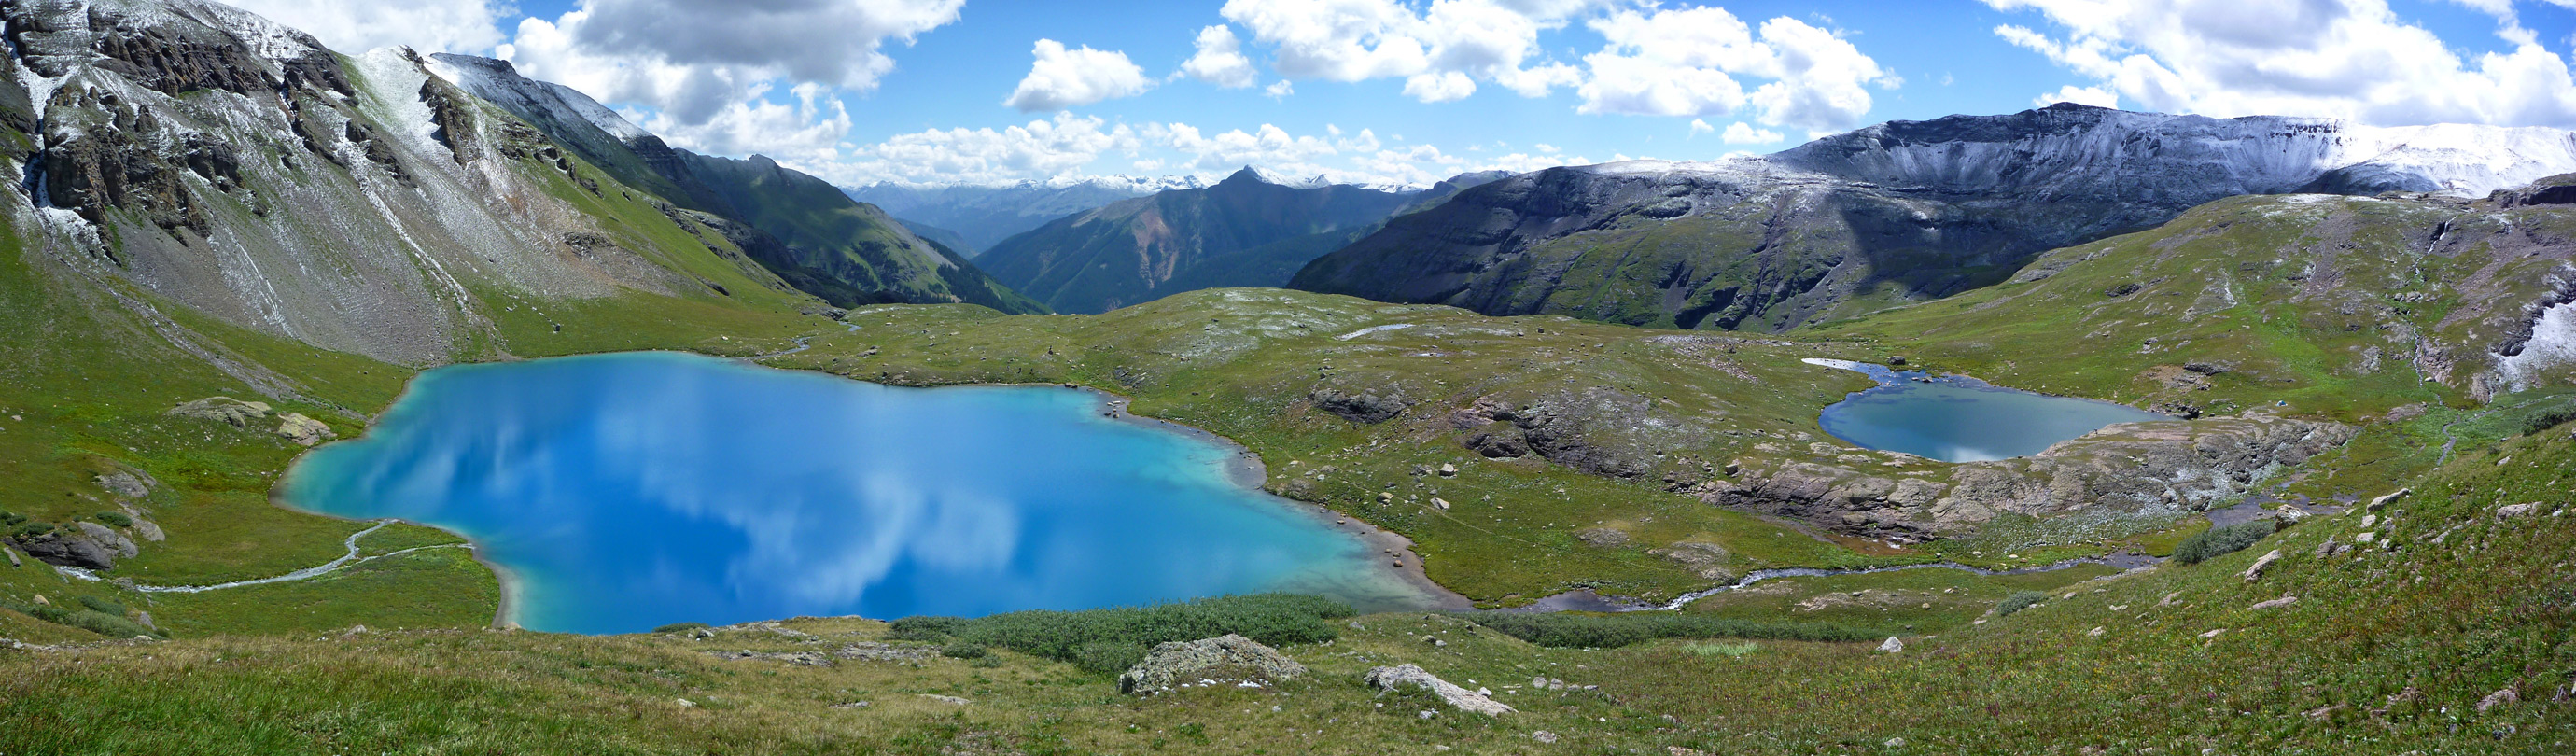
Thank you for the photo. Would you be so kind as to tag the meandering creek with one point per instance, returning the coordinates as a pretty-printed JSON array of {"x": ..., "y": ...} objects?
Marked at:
[{"x": 620, "y": 492}]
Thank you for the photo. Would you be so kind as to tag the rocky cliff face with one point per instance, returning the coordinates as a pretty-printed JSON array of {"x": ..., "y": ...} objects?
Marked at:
[
  {"x": 236, "y": 167},
  {"x": 1898, "y": 212},
  {"x": 1245, "y": 231}
]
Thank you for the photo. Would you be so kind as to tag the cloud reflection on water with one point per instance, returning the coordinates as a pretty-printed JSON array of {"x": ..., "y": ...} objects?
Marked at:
[{"x": 629, "y": 490}]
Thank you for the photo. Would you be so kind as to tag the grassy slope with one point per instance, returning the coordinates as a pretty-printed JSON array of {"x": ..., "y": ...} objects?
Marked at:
[
  {"x": 2384, "y": 652},
  {"x": 1243, "y": 363},
  {"x": 91, "y": 381},
  {"x": 2315, "y": 302}
]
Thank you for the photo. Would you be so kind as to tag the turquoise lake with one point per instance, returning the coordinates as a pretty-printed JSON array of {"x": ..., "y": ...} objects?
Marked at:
[
  {"x": 622, "y": 492},
  {"x": 1961, "y": 419}
]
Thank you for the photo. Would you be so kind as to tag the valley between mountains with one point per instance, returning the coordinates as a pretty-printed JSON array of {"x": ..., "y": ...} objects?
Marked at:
[{"x": 1588, "y": 387}]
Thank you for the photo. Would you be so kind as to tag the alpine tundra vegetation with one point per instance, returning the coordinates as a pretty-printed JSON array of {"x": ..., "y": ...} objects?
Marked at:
[{"x": 1502, "y": 450}]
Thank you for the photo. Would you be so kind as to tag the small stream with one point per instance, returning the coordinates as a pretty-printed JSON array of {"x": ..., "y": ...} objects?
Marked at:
[
  {"x": 350, "y": 559},
  {"x": 1587, "y": 601}
]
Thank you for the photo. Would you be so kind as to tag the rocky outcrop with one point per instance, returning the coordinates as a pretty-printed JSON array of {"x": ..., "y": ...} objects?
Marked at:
[
  {"x": 1361, "y": 406},
  {"x": 1407, "y": 675},
  {"x": 304, "y": 431},
  {"x": 2140, "y": 471},
  {"x": 84, "y": 545},
  {"x": 1598, "y": 430},
  {"x": 224, "y": 409},
  {"x": 1228, "y": 658},
  {"x": 295, "y": 427},
  {"x": 2555, "y": 190}
]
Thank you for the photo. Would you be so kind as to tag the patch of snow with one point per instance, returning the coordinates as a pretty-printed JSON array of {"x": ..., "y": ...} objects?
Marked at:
[
  {"x": 2462, "y": 159},
  {"x": 2549, "y": 353},
  {"x": 394, "y": 84}
]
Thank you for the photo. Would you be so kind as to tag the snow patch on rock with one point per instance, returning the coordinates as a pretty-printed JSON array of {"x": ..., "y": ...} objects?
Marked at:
[{"x": 2551, "y": 352}]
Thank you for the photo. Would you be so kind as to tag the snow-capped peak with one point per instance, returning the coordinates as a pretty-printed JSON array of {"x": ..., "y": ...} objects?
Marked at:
[{"x": 498, "y": 81}]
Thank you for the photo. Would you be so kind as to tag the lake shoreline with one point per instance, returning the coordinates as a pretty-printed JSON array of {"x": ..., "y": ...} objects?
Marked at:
[{"x": 1248, "y": 470}]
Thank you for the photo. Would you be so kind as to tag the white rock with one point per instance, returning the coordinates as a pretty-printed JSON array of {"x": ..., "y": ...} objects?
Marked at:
[
  {"x": 1892, "y": 646},
  {"x": 1462, "y": 699},
  {"x": 2256, "y": 572}
]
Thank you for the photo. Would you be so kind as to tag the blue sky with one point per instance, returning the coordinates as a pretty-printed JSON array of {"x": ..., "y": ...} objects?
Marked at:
[{"x": 925, "y": 90}]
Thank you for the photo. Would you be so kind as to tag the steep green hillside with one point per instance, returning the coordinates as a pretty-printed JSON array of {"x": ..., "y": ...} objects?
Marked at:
[
  {"x": 1244, "y": 231},
  {"x": 315, "y": 281},
  {"x": 808, "y": 231},
  {"x": 2392, "y": 312}
]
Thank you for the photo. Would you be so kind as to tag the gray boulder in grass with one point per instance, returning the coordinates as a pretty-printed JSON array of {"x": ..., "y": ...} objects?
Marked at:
[
  {"x": 1229, "y": 657},
  {"x": 1462, "y": 699}
]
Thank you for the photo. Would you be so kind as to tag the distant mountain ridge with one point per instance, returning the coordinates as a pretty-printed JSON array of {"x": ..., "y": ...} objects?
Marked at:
[
  {"x": 984, "y": 215},
  {"x": 1248, "y": 230},
  {"x": 826, "y": 243},
  {"x": 1892, "y": 213}
]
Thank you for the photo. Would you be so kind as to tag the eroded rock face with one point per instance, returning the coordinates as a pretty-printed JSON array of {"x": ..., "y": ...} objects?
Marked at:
[
  {"x": 1226, "y": 658},
  {"x": 2141, "y": 470}
]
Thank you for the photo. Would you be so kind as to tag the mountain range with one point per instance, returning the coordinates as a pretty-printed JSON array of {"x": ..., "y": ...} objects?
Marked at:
[
  {"x": 1894, "y": 213},
  {"x": 981, "y": 216},
  {"x": 1250, "y": 229}
]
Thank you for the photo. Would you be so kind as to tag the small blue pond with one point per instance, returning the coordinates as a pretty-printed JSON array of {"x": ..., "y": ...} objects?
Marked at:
[
  {"x": 1960, "y": 419},
  {"x": 621, "y": 492}
]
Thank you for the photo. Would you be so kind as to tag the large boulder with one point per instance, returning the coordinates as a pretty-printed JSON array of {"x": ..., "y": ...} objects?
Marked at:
[
  {"x": 1462, "y": 699},
  {"x": 1226, "y": 658},
  {"x": 304, "y": 431},
  {"x": 68, "y": 547},
  {"x": 109, "y": 539},
  {"x": 224, "y": 409},
  {"x": 1367, "y": 407}
]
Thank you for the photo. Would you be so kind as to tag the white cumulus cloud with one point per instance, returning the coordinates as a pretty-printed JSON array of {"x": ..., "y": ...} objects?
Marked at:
[
  {"x": 1035, "y": 150},
  {"x": 1688, "y": 62},
  {"x": 693, "y": 60},
  {"x": 1740, "y": 133},
  {"x": 2352, "y": 59},
  {"x": 1220, "y": 60},
  {"x": 1063, "y": 78},
  {"x": 1441, "y": 50},
  {"x": 464, "y": 26}
]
